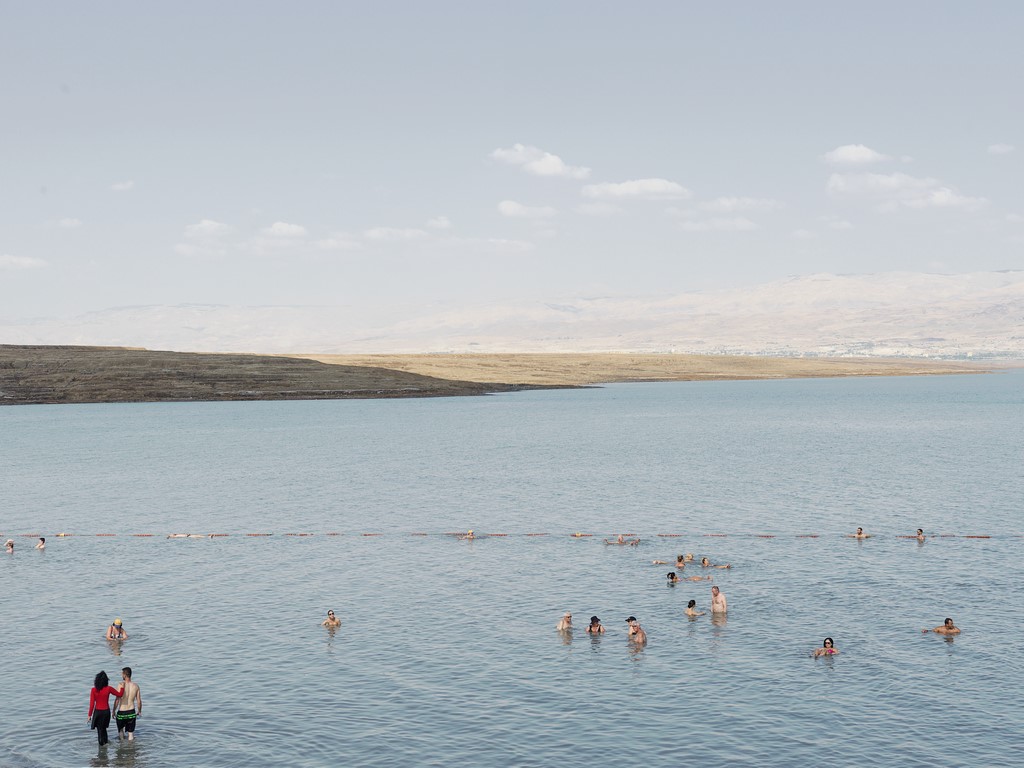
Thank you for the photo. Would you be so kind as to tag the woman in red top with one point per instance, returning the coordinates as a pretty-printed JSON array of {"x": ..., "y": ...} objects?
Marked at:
[{"x": 99, "y": 705}]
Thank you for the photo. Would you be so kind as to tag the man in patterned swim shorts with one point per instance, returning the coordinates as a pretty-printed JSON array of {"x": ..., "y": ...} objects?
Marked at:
[{"x": 128, "y": 707}]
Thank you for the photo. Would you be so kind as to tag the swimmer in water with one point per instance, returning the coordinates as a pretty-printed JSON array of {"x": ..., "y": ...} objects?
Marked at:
[
  {"x": 828, "y": 648},
  {"x": 659, "y": 562},
  {"x": 672, "y": 578},
  {"x": 9, "y": 546},
  {"x": 947, "y": 628},
  {"x": 680, "y": 561},
  {"x": 467, "y": 536},
  {"x": 698, "y": 578},
  {"x": 636, "y": 632},
  {"x": 42, "y": 543},
  {"x": 920, "y": 534},
  {"x": 689, "y": 557},
  {"x": 116, "y": 631},
  {"x": 565, "y": 623},
  {"x": 595, "y": 627},
  {"x": 331, "y": 621},
  {"x": 859, "y": 534},
  {"x": 718, "y": 603},
  {"x": 691, "y": 609},
  {"x": 705, "y": 563}
]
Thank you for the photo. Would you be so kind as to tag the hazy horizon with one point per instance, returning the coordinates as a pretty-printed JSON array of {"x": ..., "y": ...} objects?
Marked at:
[{"x": 423, "y": 156}]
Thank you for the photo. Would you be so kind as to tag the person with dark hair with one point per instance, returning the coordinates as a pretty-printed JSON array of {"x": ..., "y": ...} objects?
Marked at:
[
  {"x": 859, "y": 535},
  {"x": 920, "y": 534},
  {"x": 331, "y": 622},
  {"x": 828, "y": 648},
  {"x": 42, "y": 543},
  {"x": 128, "y": 705},
  {"x": 595, "y": 627},
  {"x": 672, "y": 577},
  {"x": 947, "y": 628},
  {"x": 691, "y": 609},
  {"x": 99, "y": 706}
]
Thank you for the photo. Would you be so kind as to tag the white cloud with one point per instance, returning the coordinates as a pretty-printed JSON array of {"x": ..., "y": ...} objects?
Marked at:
[
  {"x": 439, "y": 222},
  {"x": 840, "y": 224},
  {"x": 1014, "y": 218},
  {"x": 339, "y": 241},
  {"x": 803, "y": 234},
  {"x": 538, "y": 162},
  {"x": 1000, "y": 149},
  {"x": 598, "y": 209},
  {"x": 20, "y": 262},
  {"x": 644, "y": 189},
  {"x": 734, "y": 204},
  {"x": 122, "y": 186},
  {"x": 853, "y": 154},
  {"x": 894, "y": 190},
  {"x": 515, "y": 210},
  {"x": 734, "y": 224},
  {"x": 69, "y": 223},
  {"x": 207, "y": 228},
  {"x": 394, "y": 234},
  {"x": 283, "y": 229}
]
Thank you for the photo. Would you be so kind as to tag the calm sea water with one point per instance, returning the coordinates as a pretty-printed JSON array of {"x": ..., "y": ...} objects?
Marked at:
[{"x": 447, "y": 654}]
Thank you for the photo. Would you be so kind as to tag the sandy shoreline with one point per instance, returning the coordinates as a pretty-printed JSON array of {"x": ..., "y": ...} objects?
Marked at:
[
  {"x": 66, "y": 374},
  {"x": 581, "y": 369}
]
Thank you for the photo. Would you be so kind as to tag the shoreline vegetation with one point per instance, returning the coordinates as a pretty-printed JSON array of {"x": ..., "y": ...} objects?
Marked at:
[{"x": 70, "y": 374}]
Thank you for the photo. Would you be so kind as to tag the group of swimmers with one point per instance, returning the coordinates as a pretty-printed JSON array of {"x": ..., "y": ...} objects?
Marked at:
[{"x": 719, "y": 605}]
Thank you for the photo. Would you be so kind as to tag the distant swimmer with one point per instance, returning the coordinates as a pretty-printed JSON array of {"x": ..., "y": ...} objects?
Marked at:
[
  {"x": 828, "y": 648},
  {"x": 42, "y": 543},
  {"x": 128, "y": 706},
  {"x": 178, "y": 535},
  {"x": 689, "y": 557},
  {"x": 947, "y": 628},
  {"x": 680, "y": 561},
  {"x": 116, "y": 631},
  {"x": 9, "y": 546},
  {"x": 691, "y": 609},
  {"x": 859, "y": 534},
  {"x": 718, "y": 603},
  {"x": 622, "y": 540},
  {"x": 636, "y": 632},
  {"x": 565, "y": 623},
  {"x": 595, "y": 627},
  {"x": 705, "y": 563},
  {"x": 698, "y": 578},
  {"x": 659, "y": 562},
  {"x": 331, "y": 620},
  {"x": 920, "y": 534},
  {"x": 672, "y": 578},
  {"x": 468, "y": 535}
]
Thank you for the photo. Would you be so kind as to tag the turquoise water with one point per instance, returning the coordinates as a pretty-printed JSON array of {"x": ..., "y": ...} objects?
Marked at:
[{"x": 447, "y": 654}]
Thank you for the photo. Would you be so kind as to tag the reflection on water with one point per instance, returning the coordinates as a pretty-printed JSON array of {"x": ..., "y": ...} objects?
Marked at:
[{"x": 566, "y": 635}]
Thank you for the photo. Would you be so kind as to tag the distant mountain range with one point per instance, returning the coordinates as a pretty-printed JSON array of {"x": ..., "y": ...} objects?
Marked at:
[{"x": 978, "y": 315}]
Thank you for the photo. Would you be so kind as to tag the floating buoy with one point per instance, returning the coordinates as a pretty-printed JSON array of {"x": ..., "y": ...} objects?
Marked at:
[
  {"x": 719, "y": 535},
  {"x": 217, "y": 535},
  {"x": 536, "y": 534},
  {"x": 807, "y": 536},
  {"x": 141, "y": 535},
  {"x": 765, "y": 535},
  {"x": 415, "y": 534},
  {"x": 332, "y": 533},
  {"x": 106, "y": 534},
  {"x": 371, "y": 534},
  {"x": 978, "y": 537},
  {"x": 259, "y": 534},
  {"x": 670, "y": 535}
]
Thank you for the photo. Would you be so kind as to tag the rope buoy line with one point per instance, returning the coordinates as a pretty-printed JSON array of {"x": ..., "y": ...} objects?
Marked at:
[{"x": 461, "y": 534}]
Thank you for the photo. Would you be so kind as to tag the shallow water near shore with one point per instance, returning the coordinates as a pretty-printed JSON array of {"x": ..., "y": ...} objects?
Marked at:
[{"x": 447, "y": 653}]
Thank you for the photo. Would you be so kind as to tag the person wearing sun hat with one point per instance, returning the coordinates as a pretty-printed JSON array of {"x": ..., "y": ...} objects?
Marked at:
[{"x": 116, "y": 631}]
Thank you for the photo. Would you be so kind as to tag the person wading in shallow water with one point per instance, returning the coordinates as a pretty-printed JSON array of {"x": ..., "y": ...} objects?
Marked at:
[{"x": 128, "y": 706}]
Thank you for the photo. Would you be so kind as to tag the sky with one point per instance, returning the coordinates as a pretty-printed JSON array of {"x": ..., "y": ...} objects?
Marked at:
[{"x": 426, "y": 154}]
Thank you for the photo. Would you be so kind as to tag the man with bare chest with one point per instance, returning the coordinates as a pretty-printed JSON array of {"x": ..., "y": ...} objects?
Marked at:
[{"x": 129, "y": 706}]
